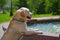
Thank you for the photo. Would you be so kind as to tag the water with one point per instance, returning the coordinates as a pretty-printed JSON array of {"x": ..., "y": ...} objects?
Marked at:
[{"x": 47, "y": 27}]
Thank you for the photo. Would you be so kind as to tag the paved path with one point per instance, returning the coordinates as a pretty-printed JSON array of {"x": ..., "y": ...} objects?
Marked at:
[{"x": 1, "y": 30}]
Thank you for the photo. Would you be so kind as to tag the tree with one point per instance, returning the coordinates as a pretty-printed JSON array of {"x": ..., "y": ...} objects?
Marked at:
[
  {"x": 2, "y": 3},
  {"x": 41, "y": 8},
  {"x": 22, "y": 3},
  {"x": 11, "y": 10},
  {"x": 58, "y": 11},
  {"x": 15, "y": 4},
  {"x": 19, "y": 3},
  {"x": 54, "y": 8},
  {"x": 33, "y": 5}
]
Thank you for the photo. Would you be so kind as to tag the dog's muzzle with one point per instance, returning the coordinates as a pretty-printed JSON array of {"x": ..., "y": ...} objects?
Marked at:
[{"x": 30, "y": 16}]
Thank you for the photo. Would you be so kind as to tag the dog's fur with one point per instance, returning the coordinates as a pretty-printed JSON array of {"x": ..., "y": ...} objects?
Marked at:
[{"x": 18, "y": 26}]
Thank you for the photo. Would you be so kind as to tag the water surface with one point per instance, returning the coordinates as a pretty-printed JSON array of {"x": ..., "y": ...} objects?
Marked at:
[{"x": 47, "y": 27}]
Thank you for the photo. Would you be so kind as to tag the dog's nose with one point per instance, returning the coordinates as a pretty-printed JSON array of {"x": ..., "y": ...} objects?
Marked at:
[{"x": 28, "y": 17}]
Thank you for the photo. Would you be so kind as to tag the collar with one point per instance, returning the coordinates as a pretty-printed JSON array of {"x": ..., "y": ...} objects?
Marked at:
[{"x": 18, "y": 20}]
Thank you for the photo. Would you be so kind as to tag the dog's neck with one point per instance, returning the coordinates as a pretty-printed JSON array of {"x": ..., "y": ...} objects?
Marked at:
[{"x": 18, "y": 20}]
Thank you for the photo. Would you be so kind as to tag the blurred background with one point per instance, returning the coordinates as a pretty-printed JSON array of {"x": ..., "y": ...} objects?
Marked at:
[{"x": 39, "y": 8}]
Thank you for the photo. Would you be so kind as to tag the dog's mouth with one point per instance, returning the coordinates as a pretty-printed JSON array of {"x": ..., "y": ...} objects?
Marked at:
[{"x": 28, "y": 17}]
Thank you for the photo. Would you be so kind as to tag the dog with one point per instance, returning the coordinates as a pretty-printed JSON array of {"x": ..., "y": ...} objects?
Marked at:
[{"x": 18, "y": 27}]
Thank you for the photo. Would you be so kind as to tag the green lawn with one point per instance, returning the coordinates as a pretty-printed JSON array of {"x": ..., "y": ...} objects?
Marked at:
[
  {"x": 41, "y": 15},
  {"x": 6, "y": 17}
]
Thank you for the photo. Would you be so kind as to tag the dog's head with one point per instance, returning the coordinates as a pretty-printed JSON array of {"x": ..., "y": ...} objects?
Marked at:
[{"x": 23, "y": 13}]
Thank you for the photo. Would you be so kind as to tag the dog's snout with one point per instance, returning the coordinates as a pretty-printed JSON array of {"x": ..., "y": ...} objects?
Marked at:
[{"x": 28, "y": 17}]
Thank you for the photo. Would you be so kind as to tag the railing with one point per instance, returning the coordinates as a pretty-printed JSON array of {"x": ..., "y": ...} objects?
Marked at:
[{"x": 44, "y": 36}]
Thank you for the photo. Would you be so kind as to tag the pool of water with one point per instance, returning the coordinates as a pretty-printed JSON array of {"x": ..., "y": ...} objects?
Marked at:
[{"x": 47, "y": 26}]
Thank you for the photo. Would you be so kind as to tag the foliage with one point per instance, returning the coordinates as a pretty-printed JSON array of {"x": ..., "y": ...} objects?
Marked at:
[
  {"x": 33, "y": 5},
  {"x": 20, "y": 3},
  {"x": 40, "y": 6},
  {"x": 2, "y": 3},
  {"x": 2, "y": 6}
]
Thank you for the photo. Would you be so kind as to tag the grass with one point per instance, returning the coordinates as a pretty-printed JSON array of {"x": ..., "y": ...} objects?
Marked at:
[
  {"x": 41, "y": 15},
  {"x": 6, "y": 17}
]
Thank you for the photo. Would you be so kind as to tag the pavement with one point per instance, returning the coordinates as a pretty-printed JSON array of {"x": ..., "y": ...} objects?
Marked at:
[{"x": 1, "y": 30}]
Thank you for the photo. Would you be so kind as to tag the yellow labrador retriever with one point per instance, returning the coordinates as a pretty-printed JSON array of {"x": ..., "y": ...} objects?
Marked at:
[{"x": 18, "y": 26}]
